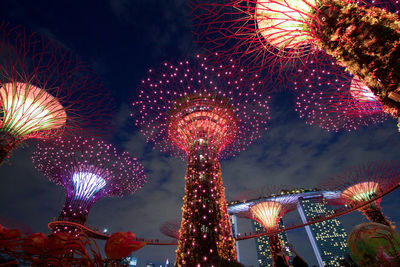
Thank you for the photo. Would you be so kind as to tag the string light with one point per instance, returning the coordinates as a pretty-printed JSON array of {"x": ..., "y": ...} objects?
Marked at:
[
  {"x": 363, "y": 183},
  {"x": 277, "y": 36},
  {"x": 201, "y": 114},
  {"x": 88, "y": 169},
  {"x": 45, "y": 91}
]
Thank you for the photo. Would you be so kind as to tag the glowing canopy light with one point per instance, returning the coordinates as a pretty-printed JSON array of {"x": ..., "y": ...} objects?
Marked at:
[
  {"x": 88, "y": 169},
  {"x": 361, "y": 92},
  {"x": 206, "y": 120},
  {"x": 194, "y": 104},
  {"x": 86, "y": 184},
  {"x": 268, "y": 213},
  {"x": 282, "y": 22},
  {"x": 27, "y": 108},
  {"x": 361, "y": 192}
]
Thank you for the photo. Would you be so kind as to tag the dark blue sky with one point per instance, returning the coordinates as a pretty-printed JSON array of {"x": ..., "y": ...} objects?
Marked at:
[{"x": 121, "y": 40}]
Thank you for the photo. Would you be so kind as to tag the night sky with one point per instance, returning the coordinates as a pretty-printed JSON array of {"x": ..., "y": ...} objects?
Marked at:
[{"x": 121, "y": 40}]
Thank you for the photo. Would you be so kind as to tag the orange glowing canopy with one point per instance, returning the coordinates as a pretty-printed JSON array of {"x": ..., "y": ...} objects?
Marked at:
[
  {"x": 360, "y": 192},
  {"x": 282, "y": 22},
  {"x": 268, "y": 213},
  {"x": 28, "y": 109}
]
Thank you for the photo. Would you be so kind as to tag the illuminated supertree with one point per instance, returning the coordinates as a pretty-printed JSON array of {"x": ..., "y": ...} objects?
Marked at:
[
  {"x": 267, "y": 208},
  {"x": 88, "y": 169},
  {"x": 361, "y": 35},
  {"x": 171, "y": 229},
  {"x": 329, "y": 97},
  {"x": 202, "y": 114},
  {"x": 44, "y": 90},
  {"x": 363, "y": 183}
]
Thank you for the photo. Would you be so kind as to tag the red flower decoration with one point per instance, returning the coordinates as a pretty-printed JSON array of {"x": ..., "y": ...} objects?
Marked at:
[
  {"x": 35, "y": 243},
  {"x": 6, "y": 233},
  {"x": 122, "y": 244},
  {"x": 9, "y": 238}
]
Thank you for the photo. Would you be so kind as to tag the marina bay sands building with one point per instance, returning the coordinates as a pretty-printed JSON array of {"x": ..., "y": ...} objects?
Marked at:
[
  {"x": 263, "y": 247},
  {"x": 328, "y": 238}
]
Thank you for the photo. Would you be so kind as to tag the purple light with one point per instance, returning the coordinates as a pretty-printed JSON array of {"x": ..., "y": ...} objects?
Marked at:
[{"x": 87, "y": 184}]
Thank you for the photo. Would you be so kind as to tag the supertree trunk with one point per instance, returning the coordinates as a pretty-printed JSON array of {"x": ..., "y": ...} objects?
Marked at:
[
  {"x": 7, "y": 143},
  {"x": 374, "y": 213},
  {"x": 275, "y": 245},
  {"x": 366, "y": 41},
  {"x": 75, "y": 211},
  {"x": 205, "y": 235}
]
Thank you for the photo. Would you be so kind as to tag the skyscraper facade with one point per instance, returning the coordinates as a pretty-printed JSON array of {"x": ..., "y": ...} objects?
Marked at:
[
  {"x": 263, "y": 248},
  {"x": 328, "y": 238}
]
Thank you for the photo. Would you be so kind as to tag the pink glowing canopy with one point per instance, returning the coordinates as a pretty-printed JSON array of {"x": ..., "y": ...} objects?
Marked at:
[
  {"x": 188, "y": 104},
  {"x": 329, "y": 97},
  {"x": 85, "y": 166},
  {"x": 202, "y": 120}
]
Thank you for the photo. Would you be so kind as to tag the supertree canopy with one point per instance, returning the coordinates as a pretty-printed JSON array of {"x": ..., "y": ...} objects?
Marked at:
[
  {"x": 329, "y": 97},
  {"x": 171, "y": 229},
  {"x": 361, "y": 35},
  {"x": 44, "y": 90},
  {"x": 88, "y": 169},
  {"x": 362, "y": 184},
  {"x": 202, "y": 113},
  {"x": 268, "y": 208}
]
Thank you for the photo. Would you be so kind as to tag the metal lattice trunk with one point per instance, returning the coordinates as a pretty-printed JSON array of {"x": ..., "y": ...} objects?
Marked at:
[{"x": 205, "y": 235}]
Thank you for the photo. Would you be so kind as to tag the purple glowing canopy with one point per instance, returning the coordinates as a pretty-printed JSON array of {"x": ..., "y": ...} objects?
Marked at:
[{"x": 88, "y": 169}]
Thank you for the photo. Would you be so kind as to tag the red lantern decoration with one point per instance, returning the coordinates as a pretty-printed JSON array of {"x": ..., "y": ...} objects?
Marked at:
[
  {"x": 122, "y": 244},
  {"x": 9, "y": 238}
]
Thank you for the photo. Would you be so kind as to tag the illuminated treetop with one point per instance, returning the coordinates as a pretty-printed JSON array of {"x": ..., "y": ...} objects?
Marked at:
[
  {"x": 88, "y": 168},
  {"x": 29, "y": 110},
  {"x": 277, "y": 36},
  {"x": 261, "y": 32},
  {"x": 329, "y": 97},
  {"x": 45, "y": 90},
  {"x": 192, "y": 104},
  {"x": 363, "y": 183},
  {"x": 269, "y": 204},
  {"x": 364, "y": 186}
]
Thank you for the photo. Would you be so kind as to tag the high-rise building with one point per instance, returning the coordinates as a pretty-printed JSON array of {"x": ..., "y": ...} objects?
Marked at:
[
  {"x": 328, "y": 238},
  {"x": 263, "y": 247}
]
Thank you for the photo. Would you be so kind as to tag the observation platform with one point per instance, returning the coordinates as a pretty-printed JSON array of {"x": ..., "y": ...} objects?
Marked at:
[{"x": 237, "y": 207}]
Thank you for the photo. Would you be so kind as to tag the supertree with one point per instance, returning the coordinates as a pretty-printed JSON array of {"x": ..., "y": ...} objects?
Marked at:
[
  {"x": 361, "y": 35},
  {"x": 363, "y": 183},
  {"x": 268, "y": 206},
  {"x": 331, "y": 98},
  {"x": 88, "y": 169},
  {"x": 171, "y": 229},
  {"x": 45, "y": 91},
  {"x": 202, "y": 114}
]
